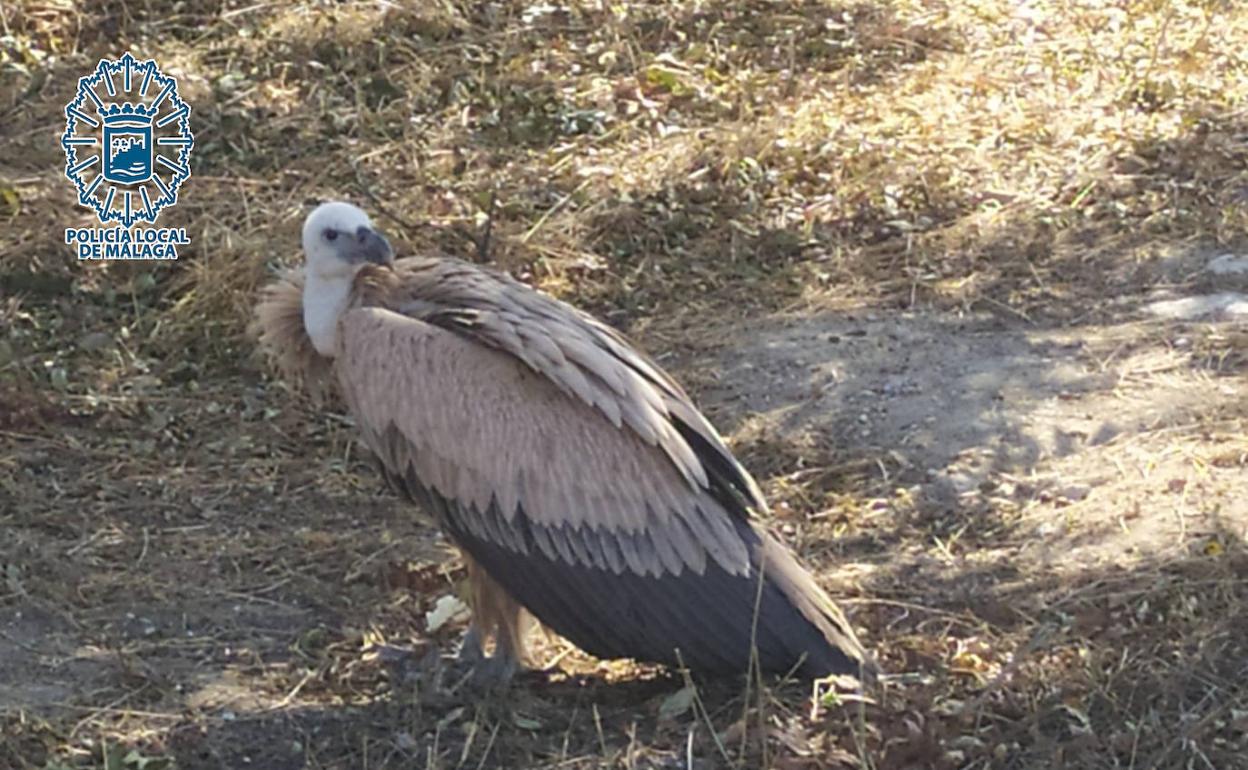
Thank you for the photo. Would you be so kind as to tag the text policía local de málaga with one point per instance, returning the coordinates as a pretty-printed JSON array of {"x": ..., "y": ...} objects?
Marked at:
[{"x": 122, "y": 243}]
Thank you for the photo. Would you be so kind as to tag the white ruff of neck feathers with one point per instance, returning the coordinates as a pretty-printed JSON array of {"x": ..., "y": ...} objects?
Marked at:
[{"x": 324, "y": 300}]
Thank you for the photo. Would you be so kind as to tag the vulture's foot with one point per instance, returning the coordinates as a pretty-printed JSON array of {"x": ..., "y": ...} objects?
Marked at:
[
  {"x": 470, "y": 649},
  {"x": 488, "y": 672},
  {"x": 494, "y": 672}
]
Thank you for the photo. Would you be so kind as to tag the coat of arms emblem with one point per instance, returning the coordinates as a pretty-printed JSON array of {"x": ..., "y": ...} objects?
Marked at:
[{"x": 127, "y": 141}]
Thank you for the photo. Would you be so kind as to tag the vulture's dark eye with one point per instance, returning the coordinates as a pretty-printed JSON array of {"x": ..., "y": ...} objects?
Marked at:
[{"x": 331, "y": 235}]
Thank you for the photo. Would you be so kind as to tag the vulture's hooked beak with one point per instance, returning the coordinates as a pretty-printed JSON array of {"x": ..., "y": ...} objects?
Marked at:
[{"x": 370, "y": 246}]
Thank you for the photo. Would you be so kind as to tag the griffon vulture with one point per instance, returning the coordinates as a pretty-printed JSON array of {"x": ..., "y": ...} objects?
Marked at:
[{"x": 575, "y": 475}]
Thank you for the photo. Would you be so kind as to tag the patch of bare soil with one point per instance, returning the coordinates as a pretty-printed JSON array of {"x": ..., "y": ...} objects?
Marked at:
[
  {"x": 1052, "y": 502},
  {"x": 1062, "y": 424}
]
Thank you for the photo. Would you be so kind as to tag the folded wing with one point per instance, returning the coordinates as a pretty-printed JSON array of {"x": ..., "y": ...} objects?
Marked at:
[{"x": 579, "y": 476}]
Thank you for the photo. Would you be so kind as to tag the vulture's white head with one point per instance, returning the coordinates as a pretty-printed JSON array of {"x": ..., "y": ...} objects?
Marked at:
[{"x": 338, "y": 240}]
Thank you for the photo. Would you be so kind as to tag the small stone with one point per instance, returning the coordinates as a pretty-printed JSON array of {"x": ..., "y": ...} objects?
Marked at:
[
  {"x": 1075, "y": 492},
  {"x": 1228, "y": 264},
  {"x": 95, "y": 341},
  {"x": 405, "y": 741},
  {"x": 965, "y": 742},
  {"x": 1227, "y": 304},
  {"x": 961, "y": 482},
  {"x": 1104, "y": 434}
]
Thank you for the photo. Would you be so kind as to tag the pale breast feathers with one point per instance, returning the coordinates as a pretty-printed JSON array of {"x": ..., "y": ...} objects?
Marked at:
[{"x": 278, "y": 325}]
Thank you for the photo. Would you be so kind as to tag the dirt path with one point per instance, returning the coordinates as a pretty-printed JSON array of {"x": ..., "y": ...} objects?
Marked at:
[{"x": 1113, "y": 429}]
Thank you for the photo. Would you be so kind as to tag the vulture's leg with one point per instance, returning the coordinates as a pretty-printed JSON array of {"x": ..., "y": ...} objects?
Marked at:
[
  {"x": 471, "y": 650},
  {"x": 494, "y": 614}
]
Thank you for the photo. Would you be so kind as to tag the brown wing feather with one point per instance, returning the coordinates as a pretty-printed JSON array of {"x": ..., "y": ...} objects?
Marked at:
[
  {"x": 585, "y": 359},
  {"x": 478, "y": 427}
]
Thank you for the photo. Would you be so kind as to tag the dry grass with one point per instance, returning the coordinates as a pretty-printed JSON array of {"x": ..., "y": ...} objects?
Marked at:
[{"x": 175, "y": 534}]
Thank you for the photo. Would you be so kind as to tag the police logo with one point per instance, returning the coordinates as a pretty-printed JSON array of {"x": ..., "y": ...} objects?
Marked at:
[{"x": 127, "y": 141}]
